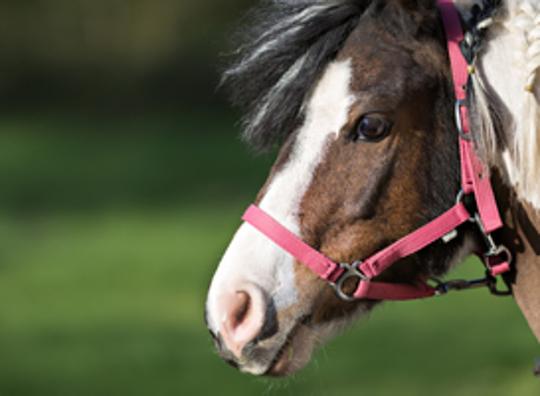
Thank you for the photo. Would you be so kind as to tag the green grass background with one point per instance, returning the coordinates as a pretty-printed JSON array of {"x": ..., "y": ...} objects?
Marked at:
[{"x": 110, "y": 230}]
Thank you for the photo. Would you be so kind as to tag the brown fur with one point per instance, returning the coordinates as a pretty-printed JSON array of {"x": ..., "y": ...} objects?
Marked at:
[
  {"x": 522, "y": 235},
  {"x": 527, "y": 284},
  {"x": 366, "y": 195}
]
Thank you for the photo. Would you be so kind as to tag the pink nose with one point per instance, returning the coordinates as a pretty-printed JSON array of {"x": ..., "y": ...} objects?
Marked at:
[{"x": 243, "y": 316}]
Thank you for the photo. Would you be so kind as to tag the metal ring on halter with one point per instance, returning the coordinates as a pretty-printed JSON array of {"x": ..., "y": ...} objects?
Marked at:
[
  {"x": 459, "y": 122},
  {"x": 460, "y": 196},
  {"x": 461, "y": 199},
  {"x": 351, "y": 271},
  {"x": 499, "y": 250}
]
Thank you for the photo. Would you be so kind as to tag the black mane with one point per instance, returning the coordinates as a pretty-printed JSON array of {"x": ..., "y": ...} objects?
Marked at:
[{"x": 282, "y": 53}]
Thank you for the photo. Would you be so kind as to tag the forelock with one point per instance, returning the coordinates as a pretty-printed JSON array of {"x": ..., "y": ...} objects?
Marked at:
[{"x": 281, "y": 53}]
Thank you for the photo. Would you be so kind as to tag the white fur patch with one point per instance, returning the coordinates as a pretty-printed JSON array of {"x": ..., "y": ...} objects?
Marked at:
[
  {"x": 252, "y": 257},
  {"x": 511, "y": 65}
]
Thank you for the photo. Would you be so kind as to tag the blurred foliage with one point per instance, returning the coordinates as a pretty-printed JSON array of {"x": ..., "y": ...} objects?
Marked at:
[
  {"x": 99, "y": 53},
  {"x": 97, "y": 163}
]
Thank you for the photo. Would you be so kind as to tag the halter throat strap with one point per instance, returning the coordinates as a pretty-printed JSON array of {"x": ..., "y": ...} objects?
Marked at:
[{"x": 475, "y": 181}]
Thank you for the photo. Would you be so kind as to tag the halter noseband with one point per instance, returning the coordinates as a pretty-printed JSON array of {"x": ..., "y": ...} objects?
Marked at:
[{"x": 475, "y": 183}]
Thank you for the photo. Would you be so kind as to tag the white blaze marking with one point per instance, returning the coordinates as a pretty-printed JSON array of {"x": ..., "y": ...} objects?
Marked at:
[{"x": 251, "y": 256}]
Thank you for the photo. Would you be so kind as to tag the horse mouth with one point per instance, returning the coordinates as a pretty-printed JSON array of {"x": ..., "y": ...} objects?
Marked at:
[{"x": 295, "y": 352}]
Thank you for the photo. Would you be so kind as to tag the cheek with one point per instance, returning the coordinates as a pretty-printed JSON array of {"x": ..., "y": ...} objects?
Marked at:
[
  {"x": 308, "y": 284},
  {"x": 348, "y": 185},
  {"x": 353, "y": 242}
]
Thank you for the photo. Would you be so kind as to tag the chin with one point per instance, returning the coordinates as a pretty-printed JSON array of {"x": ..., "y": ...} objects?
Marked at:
[{"x": 296, "y": 352}]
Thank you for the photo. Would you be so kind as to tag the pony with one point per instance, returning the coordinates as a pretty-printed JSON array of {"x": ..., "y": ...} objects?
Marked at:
[{"x": 357, "y": 95}]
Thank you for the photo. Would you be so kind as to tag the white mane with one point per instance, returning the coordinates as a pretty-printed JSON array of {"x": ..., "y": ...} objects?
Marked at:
[{"x": 509, "y": 69}]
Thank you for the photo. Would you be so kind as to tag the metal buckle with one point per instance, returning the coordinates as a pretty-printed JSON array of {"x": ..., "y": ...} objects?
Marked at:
[
  {"x": 498, "y": 250},
  {"x": 351, "y": 271},
  {"x": 493, "y": 249}
]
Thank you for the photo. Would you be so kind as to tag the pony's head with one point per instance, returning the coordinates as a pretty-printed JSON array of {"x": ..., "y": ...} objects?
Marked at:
[{"x": 358, "y": 94}]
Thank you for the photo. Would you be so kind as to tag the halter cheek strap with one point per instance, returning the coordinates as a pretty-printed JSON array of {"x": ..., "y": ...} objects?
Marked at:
[
  {"x": 475, "y": 182},
  {"x": 475, "y": 178}
]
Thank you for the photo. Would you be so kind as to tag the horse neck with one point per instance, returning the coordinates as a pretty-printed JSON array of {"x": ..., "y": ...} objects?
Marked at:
[
  {"x": 522, "y": 235},
  {"x": 518, "y": 114},
  {"x": 527, "y": 282}
]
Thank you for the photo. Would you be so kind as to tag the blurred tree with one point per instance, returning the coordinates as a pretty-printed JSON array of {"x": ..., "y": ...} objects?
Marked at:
[{"x": 112, "y": 52}]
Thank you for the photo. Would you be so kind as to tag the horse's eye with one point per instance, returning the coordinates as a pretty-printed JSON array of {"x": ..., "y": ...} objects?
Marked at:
[{"x": 371, "y": 128}]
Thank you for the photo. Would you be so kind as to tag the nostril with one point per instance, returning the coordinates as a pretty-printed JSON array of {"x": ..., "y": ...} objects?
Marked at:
[
  {"x": 240, "y": 322},
  {"x": 243, "y": 317},
  {"x": 240, "y": 309}
]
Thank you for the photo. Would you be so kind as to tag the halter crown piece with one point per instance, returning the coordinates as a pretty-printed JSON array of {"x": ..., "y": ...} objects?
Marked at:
[{"x": 475, "y": 183}]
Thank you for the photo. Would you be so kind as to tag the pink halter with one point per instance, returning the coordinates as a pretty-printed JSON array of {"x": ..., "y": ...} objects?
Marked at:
[{"x": 475, "y": 181}]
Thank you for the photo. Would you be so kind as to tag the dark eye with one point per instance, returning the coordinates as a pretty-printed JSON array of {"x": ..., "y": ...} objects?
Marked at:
[{"x": 371, "y": 128}]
